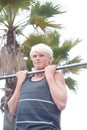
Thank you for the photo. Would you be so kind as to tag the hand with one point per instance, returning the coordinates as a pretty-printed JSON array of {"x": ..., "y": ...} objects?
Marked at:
[
  {"x": 21, "y": 76},
  {"x": 50, "y": 70}
]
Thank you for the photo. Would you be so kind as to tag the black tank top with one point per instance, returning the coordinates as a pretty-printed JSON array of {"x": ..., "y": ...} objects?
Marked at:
[{"x": 36, "y": 109}]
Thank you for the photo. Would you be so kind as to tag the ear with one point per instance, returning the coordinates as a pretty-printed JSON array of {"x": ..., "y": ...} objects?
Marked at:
[{"x": 49, "y": 62}]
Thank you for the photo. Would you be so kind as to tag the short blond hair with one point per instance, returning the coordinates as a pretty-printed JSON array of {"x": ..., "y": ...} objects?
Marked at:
[{"x": 41, "y": 47}]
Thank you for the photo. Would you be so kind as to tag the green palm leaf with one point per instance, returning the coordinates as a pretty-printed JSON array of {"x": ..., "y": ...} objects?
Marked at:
[{"x": 17, "y": 15}]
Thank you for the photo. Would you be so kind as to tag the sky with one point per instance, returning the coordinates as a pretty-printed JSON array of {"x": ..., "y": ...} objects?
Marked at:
[{"x": 74, "y": 116}]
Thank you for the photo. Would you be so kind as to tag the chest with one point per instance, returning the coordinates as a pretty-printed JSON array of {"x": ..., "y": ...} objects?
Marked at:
[{"x": 36, "y": 90}]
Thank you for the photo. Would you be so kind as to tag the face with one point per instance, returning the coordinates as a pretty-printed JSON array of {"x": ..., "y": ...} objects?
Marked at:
[{"x": 40, "y": 60}]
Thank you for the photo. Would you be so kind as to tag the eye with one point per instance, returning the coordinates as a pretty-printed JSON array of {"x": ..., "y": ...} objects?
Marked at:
[
  {"x": 34, "y": 56},
  {"x": 41, "y": 55}
]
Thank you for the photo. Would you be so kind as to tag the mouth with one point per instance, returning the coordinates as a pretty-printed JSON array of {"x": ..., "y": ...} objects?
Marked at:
[{"x": 38, "y": 62}]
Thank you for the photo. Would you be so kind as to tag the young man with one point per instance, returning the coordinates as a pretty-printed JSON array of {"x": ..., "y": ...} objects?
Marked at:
[{"x": 39, "y": 99}]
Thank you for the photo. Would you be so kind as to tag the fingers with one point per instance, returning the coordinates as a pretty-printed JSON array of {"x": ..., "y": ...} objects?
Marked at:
[
  {"x": 51, "y": 69},
  {"x": 21, "y": 74}
]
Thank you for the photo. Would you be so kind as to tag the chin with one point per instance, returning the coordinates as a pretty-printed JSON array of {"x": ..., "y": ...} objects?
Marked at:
[{"x": 39, "y": 68}]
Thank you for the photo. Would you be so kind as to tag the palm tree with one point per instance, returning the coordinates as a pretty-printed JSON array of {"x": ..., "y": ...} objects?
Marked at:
[
  {"x": 15, "y": 16},
  {"x": 11, "y": 60},
  {"x": 19, "y": 15},
  {"x": 61, "y": 53},
  {"x": 11, "y": 27}
]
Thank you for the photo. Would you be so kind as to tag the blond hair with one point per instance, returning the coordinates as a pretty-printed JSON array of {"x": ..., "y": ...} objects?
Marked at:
[{"x": 41, "y": 47}]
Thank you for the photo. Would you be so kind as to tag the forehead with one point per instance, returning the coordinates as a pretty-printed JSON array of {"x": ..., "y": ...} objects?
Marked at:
[{"x": 39, "y": 53}]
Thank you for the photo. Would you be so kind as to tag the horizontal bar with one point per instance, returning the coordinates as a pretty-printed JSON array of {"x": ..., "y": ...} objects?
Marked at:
[{"x": 42, "y": 71}]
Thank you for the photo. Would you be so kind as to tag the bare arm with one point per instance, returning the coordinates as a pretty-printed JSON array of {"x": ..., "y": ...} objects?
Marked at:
[
  {"x": 13, "y": 102},
  {"x": 57, "y": 86}
]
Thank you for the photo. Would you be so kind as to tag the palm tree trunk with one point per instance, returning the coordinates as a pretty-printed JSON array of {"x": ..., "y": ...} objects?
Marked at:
[{"x": 10, "y": 63}]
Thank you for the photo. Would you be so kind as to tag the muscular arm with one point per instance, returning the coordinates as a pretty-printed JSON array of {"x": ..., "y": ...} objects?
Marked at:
[
  {"x": 57, "y": 86},
  {"x": 13, "y": 102}
]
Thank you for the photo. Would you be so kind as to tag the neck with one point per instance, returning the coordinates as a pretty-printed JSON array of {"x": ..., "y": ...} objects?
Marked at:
[{"x": 37, "y": 77}]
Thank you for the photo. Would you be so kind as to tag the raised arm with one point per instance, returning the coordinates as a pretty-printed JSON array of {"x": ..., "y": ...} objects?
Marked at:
[
  {"x": 57, "y": 86},
  {"x": 12, "y": 103}
]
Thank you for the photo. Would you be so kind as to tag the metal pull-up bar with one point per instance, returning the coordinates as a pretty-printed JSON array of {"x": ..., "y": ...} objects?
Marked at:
[{"x": 42, "y": 71}]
